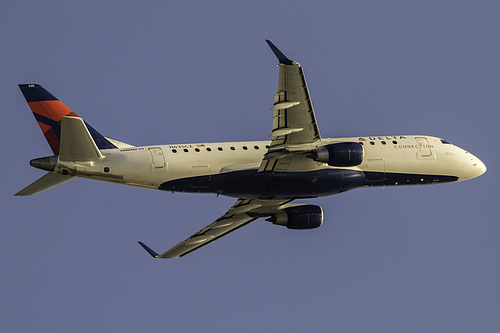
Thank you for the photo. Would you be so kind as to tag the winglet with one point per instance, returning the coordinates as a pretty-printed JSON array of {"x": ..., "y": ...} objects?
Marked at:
[
  {"x": 150, "y": 251},
  {"x": 281, "y": 57}
]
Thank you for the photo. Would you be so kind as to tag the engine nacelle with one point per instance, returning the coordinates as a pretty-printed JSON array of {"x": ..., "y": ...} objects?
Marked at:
[
  {"x": 344, "y": 154},
  {"x": 299, "y": 217}
]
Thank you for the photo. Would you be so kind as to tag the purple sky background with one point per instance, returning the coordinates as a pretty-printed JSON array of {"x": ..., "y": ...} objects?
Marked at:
[{"x": 405, "y": 259}]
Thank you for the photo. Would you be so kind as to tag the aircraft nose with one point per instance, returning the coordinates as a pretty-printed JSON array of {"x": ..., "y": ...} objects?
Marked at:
[{"x": 474, "y": 167}]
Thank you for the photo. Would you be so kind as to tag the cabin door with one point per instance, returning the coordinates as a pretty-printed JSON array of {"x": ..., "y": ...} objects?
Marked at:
[
  {"x": 424, "y": 147},
  {"x": 157, "y": 157}
]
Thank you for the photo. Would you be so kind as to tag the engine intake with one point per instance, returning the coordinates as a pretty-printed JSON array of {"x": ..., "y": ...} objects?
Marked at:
[
  {"x": 299, "y": 217},
  {"x": 344, "y": 154}
]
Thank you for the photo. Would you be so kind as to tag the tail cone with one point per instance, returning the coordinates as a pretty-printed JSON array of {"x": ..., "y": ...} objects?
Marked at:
[{"x": 45, "y": 163}]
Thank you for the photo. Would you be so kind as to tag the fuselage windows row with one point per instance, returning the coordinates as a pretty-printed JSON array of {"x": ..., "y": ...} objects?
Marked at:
[
  {"x": 218, "y": 148},
  {"x": 383, "y": 142}
]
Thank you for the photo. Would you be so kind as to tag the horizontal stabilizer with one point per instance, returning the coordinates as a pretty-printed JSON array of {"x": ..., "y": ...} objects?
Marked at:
[
  {"x": 77, "y": 145},
  {"x": 48, "y": 181}
]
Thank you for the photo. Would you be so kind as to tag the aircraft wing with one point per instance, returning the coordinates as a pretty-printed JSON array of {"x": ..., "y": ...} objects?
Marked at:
[
  {"x": 294, "y": 122},
  {"x": 240, "y": 214}
]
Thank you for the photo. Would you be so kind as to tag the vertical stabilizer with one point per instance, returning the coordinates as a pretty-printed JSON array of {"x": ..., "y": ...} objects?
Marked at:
[
  {"x": 48, "y": 112},
  {"x": 77, "y": 144}
]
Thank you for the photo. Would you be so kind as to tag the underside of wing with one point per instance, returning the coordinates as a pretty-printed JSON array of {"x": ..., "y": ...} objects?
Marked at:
[
  {"x": 294, "y": 122},
  {"x": 239, "y": 215}
]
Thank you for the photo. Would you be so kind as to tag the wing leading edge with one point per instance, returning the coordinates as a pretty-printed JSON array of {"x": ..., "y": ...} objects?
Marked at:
[{"x": 240, "y": 214}]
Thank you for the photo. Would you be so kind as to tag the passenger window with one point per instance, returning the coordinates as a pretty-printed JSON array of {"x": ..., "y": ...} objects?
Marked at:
[
  {"x": 220, "y": 148},
  {"x": 245, "y": 147},
  {"x": 197, "y": 150},
  {"x": 174, "y": 151},
  {"x": 209, "y": 149},
  {"x": 383, "y": 142},
  {"x": 395, "y": 142},
  {"x": 185, "y": 150},
  {"x": 372, "y": 143},
  {"x": 232, "y": 148},
  {"x": 256, "y": 147}
]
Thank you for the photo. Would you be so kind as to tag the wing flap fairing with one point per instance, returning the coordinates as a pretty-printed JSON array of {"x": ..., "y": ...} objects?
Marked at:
[
  {"x": 284, "y": 105},
  {"x": 285, "y": 131}
]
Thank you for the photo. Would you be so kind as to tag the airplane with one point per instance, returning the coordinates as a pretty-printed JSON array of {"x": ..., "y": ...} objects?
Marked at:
[{"x": 264, "y": 176}]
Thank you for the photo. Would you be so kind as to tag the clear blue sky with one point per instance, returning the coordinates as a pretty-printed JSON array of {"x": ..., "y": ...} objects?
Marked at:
[{"x": 408, "y": 259}]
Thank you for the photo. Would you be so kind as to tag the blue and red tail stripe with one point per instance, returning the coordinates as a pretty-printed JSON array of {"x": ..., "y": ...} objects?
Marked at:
[{"x": 48, "y": 112}]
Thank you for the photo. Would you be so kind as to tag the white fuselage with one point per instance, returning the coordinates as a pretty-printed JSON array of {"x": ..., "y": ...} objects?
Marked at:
[{"x": 391, "y": 160}]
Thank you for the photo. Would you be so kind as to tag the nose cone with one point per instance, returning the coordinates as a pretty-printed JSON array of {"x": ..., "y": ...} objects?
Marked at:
[{"x": 473, "y": 167}]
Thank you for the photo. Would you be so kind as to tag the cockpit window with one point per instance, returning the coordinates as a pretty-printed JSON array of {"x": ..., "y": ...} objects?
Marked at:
[{"x": 445, "y": 142}]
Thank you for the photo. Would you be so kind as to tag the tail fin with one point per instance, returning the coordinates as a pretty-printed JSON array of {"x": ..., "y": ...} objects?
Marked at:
[
  {"x": 76, "y": 142},
  {"x": 48, "y": 112}
]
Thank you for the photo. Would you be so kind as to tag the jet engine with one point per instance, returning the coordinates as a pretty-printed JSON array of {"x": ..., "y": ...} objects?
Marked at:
[
  {"x": 344, "y": 154},
  {"x": 298, "y": 217}
]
